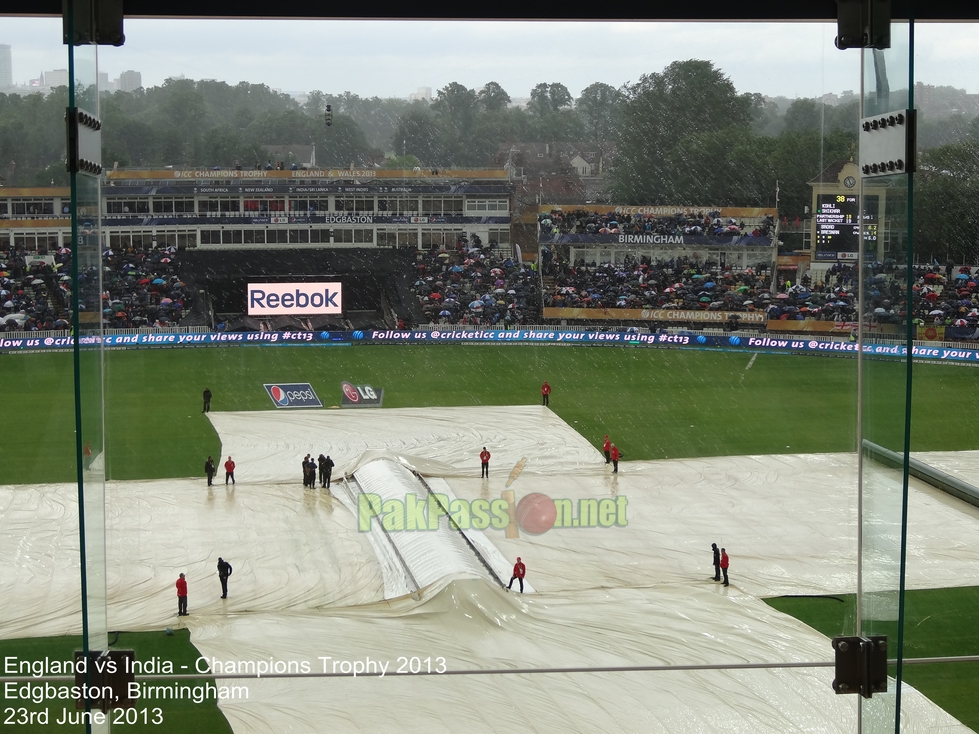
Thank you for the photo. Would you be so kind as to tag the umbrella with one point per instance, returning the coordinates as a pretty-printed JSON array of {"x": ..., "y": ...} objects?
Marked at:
[
  {"x": 445, "y": 313},
  {"x": 705, "y": 299},
  {"x": 961, "y": 276},
  {"x": 37, "y": 281},
  {"x": 709, "y": 285},
  {"x": 476, "y": 305},
  {"x": 782, "y": 295},
  {"x": 936, "y": 312},
  {"x": 165, "y": 301},
  {"x": 158, "y": 281},
  {"x": 960, "y": 322}
]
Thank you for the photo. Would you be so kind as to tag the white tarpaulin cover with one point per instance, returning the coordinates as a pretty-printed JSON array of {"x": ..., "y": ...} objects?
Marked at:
[{"x": 308, "y": 585}]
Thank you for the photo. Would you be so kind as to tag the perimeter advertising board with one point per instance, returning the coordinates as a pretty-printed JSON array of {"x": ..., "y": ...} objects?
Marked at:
[
  {"x": 293, "y": 395},
  {"x": 360, "y": 396}
]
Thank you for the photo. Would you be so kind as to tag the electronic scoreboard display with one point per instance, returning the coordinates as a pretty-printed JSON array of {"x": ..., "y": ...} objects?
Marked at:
[{"x": 838, "y": 222}]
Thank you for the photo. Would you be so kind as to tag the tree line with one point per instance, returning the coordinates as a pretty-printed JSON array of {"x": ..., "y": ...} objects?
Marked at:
[{"x": 681, "y": 135}]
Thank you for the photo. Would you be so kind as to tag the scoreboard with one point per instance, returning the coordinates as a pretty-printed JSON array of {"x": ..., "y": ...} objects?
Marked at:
[{"x": 838, "y": 222}]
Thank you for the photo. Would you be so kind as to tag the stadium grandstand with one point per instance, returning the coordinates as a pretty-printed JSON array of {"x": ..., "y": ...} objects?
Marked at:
[
  {"x": 179, "y": 245},
  {"x": 418, "y": 248}
]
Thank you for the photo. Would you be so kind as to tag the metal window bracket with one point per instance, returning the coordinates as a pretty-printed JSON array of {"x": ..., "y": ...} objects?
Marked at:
[
  {"x": 863, "y": 24},
  {"x": 888, "y": 143},
  {"x": 861, "y": 665},
  {"x": 103, "y": 678},
  {"x": 84, "y": 142}
]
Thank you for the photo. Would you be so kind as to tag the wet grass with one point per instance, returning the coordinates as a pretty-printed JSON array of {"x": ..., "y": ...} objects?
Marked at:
[
  {"x": 654, "y": 403},
  {"x": 157, "y": 715}
]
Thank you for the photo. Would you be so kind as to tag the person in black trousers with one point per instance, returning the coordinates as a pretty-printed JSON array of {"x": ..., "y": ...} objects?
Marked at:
[
  {"x": 326, "y": 470},
  {"x": 210, "y": 469},
  {"x": 207, "y": 400},
  {"x": 224, "y": 570},
  {"x": 717, "y": 562}
]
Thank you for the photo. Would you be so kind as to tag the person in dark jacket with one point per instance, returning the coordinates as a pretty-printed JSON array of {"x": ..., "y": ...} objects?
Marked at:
[
  {"x": 308, "y": 476},
  {"x": 326, "y": 470},
  {"x": 717, "y": 562},
  {"x": 224, "y": 570},
  {"x": 207, "y": 400},
  {"x": 210, "y": 469}
]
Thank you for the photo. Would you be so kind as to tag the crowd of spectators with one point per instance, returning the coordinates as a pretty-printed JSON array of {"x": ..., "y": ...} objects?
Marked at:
[
  {"x": 940, "y": 296},
  {"x": 473, "y": 285},
  {"x": 34, "y": 293},
  {"x": 946, "y": 296},
  {"x": 470, "y": 284},
  {"x": 139, "y": 288},
  {"x": 579, "y": 221},
  {"x": 640, "y": 283}
]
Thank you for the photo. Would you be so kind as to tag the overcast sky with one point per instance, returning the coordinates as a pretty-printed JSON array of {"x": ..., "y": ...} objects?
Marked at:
[{"x": 395, "y": 58}]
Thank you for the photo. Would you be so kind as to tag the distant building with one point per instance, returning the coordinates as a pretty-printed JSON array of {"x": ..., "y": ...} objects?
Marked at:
[
  {"x": 103, "y": 80},
  {"x": 130, "y": 81},
  {"x": 6, "y": 67},
  {"x": 55, "y": 78},
  {"x": 424, "y": 94}
]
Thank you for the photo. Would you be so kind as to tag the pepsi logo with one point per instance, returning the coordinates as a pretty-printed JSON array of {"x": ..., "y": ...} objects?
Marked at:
[
  {"x": 293, "y": 395},
  {"x": 279, "y": 395},
  {"x": 351, "y": 392}
]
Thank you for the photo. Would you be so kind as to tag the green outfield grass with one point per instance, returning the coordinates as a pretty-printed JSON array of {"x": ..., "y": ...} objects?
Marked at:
[
  {"x": 173, "y": 716},
  {"x": 938, "y": 623},
  {"x": 656, "y": 404}
]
